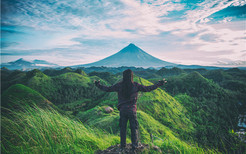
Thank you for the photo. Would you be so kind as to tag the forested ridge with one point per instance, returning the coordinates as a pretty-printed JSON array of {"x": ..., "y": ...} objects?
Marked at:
[{"x": 197, "y": 109}]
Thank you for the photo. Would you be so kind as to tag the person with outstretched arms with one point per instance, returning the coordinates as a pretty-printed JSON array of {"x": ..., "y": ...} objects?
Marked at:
[{"x": 127, "y": 104}]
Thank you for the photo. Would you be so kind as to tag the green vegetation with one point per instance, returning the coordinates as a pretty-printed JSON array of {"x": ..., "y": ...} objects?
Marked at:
[
  {"x": 213, "y": 109},
  {"x": 164, "y": 72},
  {"x": 160, "y": 105},
  {"x": 109, "y": 77},
  {"x": 195, "y": 112},
  {"x": 36, "y": 130},
  {"x": 165, "y": 109},
  {"x": 19, "y": 95},
  {"x": 9, "y": 78}
]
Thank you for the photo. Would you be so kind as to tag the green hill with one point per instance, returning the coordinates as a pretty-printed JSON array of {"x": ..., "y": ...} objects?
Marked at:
[
  {"x": 157, "y": 104},
  {"x": 213, "y": 109},
  {"x": 151, "y": 130},
  {"x": 38, "y": 129},
  {"x": 165, "y": 72},
  {"x": 194, "y": 85},
  {"x": 18, "y": 96},
  {"x": 33, "y": 124},
  {"x": 233, "y": 80},
  {"x": 60, "y": 89},
  {"x": 107, "y": 76},
  {"x": 218, "y": 76},
  {"x": 189, "y": 112},
  {"x": 46, "y": 131},
  {"x": 65, "y": 88},
  {"x": 9, "y": 78},
  {"x": 164, "y": 108}
]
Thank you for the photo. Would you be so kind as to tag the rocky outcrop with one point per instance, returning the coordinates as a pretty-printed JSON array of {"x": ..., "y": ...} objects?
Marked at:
[{"x": 108, "y": 109}]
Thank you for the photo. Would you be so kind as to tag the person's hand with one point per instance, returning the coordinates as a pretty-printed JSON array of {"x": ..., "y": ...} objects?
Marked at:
[
  {"x": 163, "y": 81},
  {"x": 96, "y": 82}
]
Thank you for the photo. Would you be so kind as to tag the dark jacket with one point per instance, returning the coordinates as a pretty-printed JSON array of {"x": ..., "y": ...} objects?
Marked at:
[{"x": 128, "y": 104}]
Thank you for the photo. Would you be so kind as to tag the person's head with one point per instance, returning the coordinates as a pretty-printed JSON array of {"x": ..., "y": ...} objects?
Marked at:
[{"x": 128, "y": 76}]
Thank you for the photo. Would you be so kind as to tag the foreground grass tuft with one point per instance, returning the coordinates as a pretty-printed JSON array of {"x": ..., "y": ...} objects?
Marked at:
[{"x": 46, "y": 131}]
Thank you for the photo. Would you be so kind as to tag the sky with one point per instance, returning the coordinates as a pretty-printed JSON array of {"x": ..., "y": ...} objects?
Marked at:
[{"x": 72, "y": 32}]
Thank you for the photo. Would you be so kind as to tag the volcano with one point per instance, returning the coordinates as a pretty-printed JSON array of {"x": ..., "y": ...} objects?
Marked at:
[{"x": 131, "y": 56}]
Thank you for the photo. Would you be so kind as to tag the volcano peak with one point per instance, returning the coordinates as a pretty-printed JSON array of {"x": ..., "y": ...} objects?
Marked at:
[
  {"x": 131, "y": 45},
  {"x": 131, "y": 55},
  {"x": 131, "y": 48}
]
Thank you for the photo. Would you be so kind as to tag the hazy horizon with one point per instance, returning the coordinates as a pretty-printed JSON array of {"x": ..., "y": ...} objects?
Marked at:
[{"x": 66, "y": 33}]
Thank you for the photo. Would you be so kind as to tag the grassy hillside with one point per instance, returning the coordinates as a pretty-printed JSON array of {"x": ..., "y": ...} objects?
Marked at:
[
  {"x": 165, "y": 109},
  {"x": 37, "y": 129},
  {"x": 64, "y": 88},
  {"x": 32, "y": 124},
  {"x": 158, "y": 104},
  {"x": 189, "y": 112},
  {"x": 209, "y": 107},
  {"x": 19, "y": 95},
  {"x": 164, "y": 72},
  {"x": 151, "y": 130},
  {"x": 9, "y": 78},
  {"x": 46, "y": 131},
  {"x": 233, "y": 80},
  {"x": 60, "y": 89}
]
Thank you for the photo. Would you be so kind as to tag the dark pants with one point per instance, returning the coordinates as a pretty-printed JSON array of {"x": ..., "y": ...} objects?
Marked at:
[{"x": 132, "y": 117}]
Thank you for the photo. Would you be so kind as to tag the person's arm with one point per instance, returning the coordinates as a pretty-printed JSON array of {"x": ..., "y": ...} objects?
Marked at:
[
  {"x": 150, "y": 88},
  {"x": 112, "y": 88}
]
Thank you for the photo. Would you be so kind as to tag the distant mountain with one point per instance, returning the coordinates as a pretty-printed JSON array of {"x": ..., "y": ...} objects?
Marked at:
[
  {"x": 44, "y": 63},
  {"x": 22, "y": 64},
  {"x": 131, "y": 56}
]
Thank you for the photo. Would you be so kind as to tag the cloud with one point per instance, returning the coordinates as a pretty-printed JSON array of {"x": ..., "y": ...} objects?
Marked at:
[
  {"x": 91, "y": 16},
  {"x": 225, "y": 20},
  {"x": 237, "y": 63},
  {"x": 63, "y": 40},
  {"x": 213, "y": 40},
  {"x": 239, "y": 3},
  {"x": 104, "y": 27},
  {"x": 231, "y": 13},
  {"x": 207, "y": 8}
]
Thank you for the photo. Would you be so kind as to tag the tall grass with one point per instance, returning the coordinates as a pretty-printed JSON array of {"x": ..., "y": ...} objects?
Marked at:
[
  {"x": 165, "y": 138},
  {"x": 36, "y": 130},
  {"x": 176, "y": 146}
]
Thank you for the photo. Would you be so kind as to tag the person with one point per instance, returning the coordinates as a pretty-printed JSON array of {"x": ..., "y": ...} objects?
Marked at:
[{"x": 127, "y": 104}]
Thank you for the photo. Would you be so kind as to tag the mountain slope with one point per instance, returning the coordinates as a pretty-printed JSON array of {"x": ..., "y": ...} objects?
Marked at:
[
  {"x": 37, "y": 130},
  {"x": 212, "y": 108},
  {"x": 160, "y": 105},
  {"x": 44, "y": 63},
  {"x": 19, "y": 96},
  {"x": 22, "y": 64},
  {"x": 64, "y": 88},
  {"x": 150, "y": 130},
  {"x": 131, "y": 56},
  {"x": 61, "y": 89}
]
